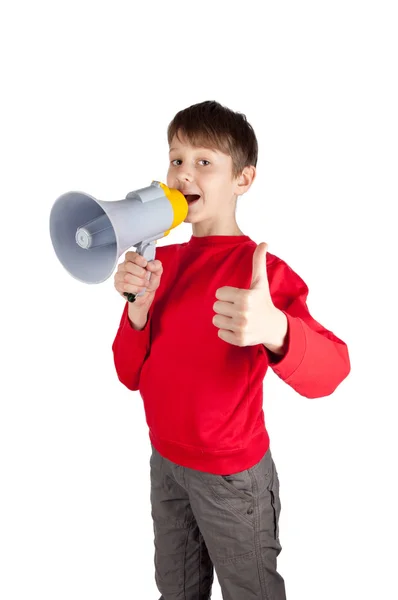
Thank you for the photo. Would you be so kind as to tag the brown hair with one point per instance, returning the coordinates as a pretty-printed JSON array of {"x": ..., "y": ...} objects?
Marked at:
[{"x": 211, "y": 125}]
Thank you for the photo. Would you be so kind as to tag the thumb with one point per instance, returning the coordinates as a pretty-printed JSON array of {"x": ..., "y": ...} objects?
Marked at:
[{"x": 259, "y": 273}]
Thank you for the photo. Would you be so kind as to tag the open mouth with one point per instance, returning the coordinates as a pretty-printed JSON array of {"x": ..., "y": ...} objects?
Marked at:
[{"x": 191, "y": 198}]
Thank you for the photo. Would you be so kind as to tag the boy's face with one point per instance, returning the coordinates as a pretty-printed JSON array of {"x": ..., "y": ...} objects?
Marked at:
[{"x": 207, "y": 173}]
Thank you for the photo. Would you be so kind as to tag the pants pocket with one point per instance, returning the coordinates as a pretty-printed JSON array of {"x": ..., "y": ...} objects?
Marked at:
[
  {"x": 238, "y": 484},
  {"x": 275, "y": 500}
]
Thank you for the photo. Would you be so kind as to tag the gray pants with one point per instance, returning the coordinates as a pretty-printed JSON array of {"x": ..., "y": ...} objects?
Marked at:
[{"x": 229, "y": 522}]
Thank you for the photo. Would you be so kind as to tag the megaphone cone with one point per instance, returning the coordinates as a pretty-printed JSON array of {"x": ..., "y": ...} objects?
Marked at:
[{"x": 89, "y": 235}]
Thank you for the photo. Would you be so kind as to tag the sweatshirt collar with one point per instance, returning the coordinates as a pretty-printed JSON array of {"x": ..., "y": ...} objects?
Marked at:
[{"x": 217, "y": 240}]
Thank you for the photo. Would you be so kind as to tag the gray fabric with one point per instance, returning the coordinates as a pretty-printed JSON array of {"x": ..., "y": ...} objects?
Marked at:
[{"x": 227, "y": 522}]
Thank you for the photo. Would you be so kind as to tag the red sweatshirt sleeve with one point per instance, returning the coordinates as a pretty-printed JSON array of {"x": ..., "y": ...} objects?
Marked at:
[
  {"x": 316, "y": 361},
  {"x": 130, "y": 349}
]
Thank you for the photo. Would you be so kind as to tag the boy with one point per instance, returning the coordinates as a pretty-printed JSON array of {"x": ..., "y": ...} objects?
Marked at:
[{"x": 217, "y": 312}]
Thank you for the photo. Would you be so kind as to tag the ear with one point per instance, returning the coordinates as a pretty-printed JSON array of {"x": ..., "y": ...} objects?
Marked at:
[{"x": 244, "y": 180}]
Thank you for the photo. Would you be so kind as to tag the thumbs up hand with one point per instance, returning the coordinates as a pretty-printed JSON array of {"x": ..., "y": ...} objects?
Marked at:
[{"x": 249, "y": 317}]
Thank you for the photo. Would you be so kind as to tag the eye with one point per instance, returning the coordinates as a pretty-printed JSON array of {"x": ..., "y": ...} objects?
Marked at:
[{"x": 177, "y": 159}]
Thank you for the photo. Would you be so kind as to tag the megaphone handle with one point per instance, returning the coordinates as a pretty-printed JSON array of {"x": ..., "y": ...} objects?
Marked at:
[{"x": 148, "y": 251}]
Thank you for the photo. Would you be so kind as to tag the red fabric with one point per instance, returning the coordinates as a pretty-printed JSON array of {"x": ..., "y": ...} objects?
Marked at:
[{"x": 202, "y": 396}]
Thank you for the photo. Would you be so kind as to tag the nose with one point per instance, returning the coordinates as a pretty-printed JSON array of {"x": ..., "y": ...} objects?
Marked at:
[
  {"x": 182, "y": 180},
  {"x": 184, "y": 175}
]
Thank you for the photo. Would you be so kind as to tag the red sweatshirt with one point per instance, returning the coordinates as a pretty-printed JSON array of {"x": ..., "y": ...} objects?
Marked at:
[{"x": 203, "y": 396}]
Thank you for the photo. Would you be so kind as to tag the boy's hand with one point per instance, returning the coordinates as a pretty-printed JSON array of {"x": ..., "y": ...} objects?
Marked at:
[
  {"x": 249, "y": 317},
  {"x": 132, "y": 276}
]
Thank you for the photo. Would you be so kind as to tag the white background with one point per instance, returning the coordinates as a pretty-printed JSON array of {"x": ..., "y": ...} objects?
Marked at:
[{"x": 88, "y": 89}]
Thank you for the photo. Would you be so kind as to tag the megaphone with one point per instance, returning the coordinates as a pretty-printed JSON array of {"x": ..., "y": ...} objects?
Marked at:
[{"x": 90, "y": 235}]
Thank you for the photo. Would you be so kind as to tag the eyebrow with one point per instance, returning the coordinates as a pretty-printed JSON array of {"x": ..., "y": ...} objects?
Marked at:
[{"x": 199, "y": 150}]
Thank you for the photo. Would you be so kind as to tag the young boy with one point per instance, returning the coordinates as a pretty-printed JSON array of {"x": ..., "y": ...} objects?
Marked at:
[{"x": 218, "y": 311}]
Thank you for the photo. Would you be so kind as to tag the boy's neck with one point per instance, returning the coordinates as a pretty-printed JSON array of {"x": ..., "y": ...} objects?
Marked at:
[{"x": 204, "y": 232}]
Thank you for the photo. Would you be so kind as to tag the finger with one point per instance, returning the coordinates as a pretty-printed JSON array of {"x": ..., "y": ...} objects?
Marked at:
[
  {"x": 125, "y": 278},
  {"x": 134, "y": 269},
  {"x": 133, "y": 289},
  {"x": 154, "y": 271},
  {"x": 122, "y": 287},
  {"x": 154, "y": 265},
  {"x": 136, "y": 258},
  {"x": 134, "y": 280}
]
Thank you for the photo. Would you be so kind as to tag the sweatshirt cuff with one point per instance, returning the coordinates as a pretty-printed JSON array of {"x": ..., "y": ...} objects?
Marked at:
[
  {"x": 135, "y": 336},
  {"x": 296, "y": 346}
]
